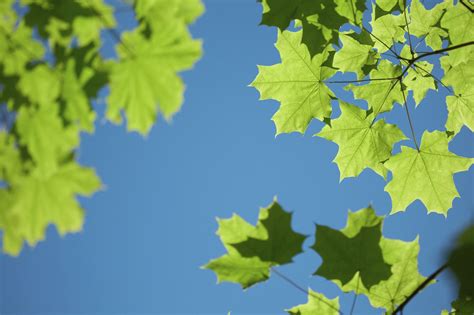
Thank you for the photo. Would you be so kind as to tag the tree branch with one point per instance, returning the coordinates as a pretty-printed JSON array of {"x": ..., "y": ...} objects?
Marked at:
[{"x": 440, "y": 51}]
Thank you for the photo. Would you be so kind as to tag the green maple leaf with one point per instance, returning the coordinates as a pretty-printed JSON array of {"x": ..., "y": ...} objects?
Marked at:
[
  {"x": 253, "y": 250},
  {"x": 41, "y": 85},
  {"x": 461, "y": 104},
  {"x": 426, "y": 175},
  {"x": 389, "y": 5},
  {"x": 363, "y": 143},
  {"x": 317, "y": 304},
  {"x": 424, "y": 23},
  {"x": 157, "y": 11},
  {"x": 46, "y": 139},
  {"x": 319, "y": 19},
  {"x": 232, "y": 267},
  {"x": 37, "y": 201},
  {"x": 353, "y": 250},
  {"x": 237, "y": 269},
  {"x": 275, "y": 242},
  {"x": 419, "y": 80},
  {"x": 400, "y": 255},
  {"x": 381, "y": 93},
  {"x": 405, "y": 278},
  {"x": 388, "y": 31},
  {"x": 459, "y": 22},
  {"x": 145, "y": 80},
  {"x": 297, "y": 83},
  {"x": 62, "y": 21},
  {"x": 10, "y": 161},
  {"x": 354, "y": 56},
  {"x": 280, "y": 13},
  {"x": 18, "y": 46},
  {"x": 78, "y": 108}
]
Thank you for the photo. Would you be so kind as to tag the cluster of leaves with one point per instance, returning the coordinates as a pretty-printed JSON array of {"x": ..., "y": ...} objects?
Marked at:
[
  {"x": 377, "y": 53},
  {"x": 356, "y": 258},
  {"x": 389, "y": 70},
  {"x": 51, "y": 70}
]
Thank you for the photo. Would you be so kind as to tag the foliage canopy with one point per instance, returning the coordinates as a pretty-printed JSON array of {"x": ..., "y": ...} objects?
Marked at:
[{"x": 52, "y": 70}]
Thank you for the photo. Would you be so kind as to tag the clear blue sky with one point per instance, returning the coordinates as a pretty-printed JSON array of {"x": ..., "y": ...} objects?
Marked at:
[{"x": 147, "y": 234}]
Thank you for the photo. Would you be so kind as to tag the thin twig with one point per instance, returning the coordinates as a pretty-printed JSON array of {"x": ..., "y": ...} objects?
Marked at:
[
  {"x": 467, "y": 6},
  {"x": 306, "y": 292},
  {"x": 419, "y": 288}
]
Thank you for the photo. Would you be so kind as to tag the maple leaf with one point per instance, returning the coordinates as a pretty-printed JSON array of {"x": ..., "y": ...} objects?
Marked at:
[
  {"x": 419, "y": 80},
  {"x": 41, "y": 85},
  {"x": 253, "y": 250},
  {"x": 16, "y": 39},
  {"x": 317, "y": 304},
  {"x": 297, "y": 83},
  {"x": 455, "y": 16},
  {"x": 424, "y": 23},
  {"x": 363, "y": 142},
  {"x": 388, "y": 30},
  {"x": 380, "y": 93},
  {"x": 400, "y": 255},
  {"x": 145, "y": 80},
  {"x": 461, "y": 104},
  {"x": 319, "y": 19},
  {"x": 48, "y": 199},
  {"x": 355, "y": 54},
  {"x": 275, "y": 240},
  {"x": 426, "y": 174},
  {"x": 62, "y": 21},
  {"x": 47, "y": 140},
  {"x": 353, "y": 250}
]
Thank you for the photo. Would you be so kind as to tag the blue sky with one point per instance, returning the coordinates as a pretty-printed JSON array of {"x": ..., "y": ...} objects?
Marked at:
[{"x": 149, "y": 231}]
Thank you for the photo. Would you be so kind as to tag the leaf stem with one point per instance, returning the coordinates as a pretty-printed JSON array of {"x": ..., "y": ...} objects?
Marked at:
[
  {"x": 354, "y": 301},
  {"x": 363, "y": 80},
  {"x": 408, "y": 116},
  {"x": 419, "y": 288},
  {"x": 408, "y": 28},
  {"x": 306, "y": 292}
]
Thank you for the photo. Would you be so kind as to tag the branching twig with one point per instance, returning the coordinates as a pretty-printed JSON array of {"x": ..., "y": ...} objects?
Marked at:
[{"x": 419, "y": 288}]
